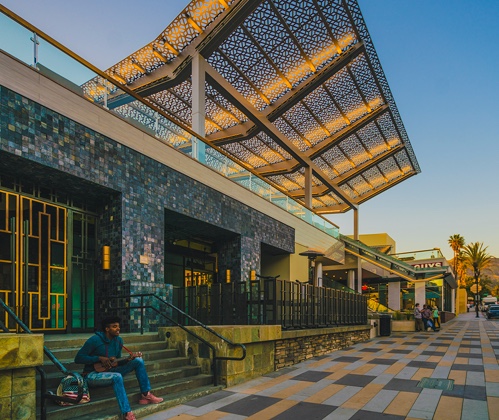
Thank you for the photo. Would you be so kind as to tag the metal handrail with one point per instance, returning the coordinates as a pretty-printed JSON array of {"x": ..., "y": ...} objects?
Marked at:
[
  {"x": 192, "y": 333},
  {"x": 43, "y": 376}
]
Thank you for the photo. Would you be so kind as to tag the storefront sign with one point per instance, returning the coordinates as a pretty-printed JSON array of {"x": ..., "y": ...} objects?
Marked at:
[{"x": 428, "y": 265}]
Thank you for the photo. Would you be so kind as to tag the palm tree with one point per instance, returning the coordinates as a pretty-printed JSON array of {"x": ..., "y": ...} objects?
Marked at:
[
  {"x": 476, "y": 257},
  {"x": 461, "y": 268},
  {"x": 456, "y": 242}
]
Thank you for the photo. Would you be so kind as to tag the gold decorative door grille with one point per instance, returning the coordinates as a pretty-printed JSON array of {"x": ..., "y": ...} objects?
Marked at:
[{"x": 33, "y": 260}]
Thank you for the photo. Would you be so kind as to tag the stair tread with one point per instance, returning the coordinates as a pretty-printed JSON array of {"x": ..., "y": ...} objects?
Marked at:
[
  {"x": 146, "y": 356},
  {"x": 104, "y": 403},
  {"x": 54, "y": 342},
  {"x": 172, "y": 378},
  {"x": 151, "y": 372},
  {"x": 111, "y": 411},
  {"x": 130, "y": 346},
  {"x": 106, "y": 393}
]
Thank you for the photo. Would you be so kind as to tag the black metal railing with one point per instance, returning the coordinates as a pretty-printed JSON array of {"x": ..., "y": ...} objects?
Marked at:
[
  {"x": 270, "y": 301},
  {"x": 45, "y": 395},
  {"x": 179, "y": 318}
]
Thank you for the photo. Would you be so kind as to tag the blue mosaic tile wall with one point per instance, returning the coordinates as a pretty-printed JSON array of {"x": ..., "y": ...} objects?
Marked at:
[{"x": 132, "y": 220}]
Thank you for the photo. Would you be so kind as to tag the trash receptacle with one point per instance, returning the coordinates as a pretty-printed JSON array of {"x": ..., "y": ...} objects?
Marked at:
[
  {"x": 385, "y": 325},
  {"x": 373, "y": 319}
]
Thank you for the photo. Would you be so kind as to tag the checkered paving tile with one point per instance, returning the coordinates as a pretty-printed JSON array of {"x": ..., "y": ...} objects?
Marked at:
[{"x": 374, "y": 380}]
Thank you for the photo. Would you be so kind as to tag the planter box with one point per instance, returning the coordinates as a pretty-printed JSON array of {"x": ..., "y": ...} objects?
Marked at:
[{"x": 403, "y": 325}]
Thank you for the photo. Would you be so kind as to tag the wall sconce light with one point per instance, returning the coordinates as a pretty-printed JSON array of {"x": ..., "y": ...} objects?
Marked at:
[
  {"x": 252, "y": 275},
  {"x": 106, "y": 257},
  {"x": 227, "y": 276}
]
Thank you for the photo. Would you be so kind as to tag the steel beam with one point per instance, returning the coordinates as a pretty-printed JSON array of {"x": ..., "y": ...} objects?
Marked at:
[{"x": 227, "y": 90}]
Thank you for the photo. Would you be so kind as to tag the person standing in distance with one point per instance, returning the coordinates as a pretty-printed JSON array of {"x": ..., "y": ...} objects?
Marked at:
[{"x": 101, "y": 355}]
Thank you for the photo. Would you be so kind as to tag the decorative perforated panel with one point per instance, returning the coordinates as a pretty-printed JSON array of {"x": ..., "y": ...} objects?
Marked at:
[{"x": 293, "y": 84}]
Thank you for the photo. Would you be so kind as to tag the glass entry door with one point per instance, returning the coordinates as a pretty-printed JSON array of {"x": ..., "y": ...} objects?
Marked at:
[
  {"x": 33, "y": 261},
  {"x": 47, "y": 264},
  {"x": 82, "y": 271}
]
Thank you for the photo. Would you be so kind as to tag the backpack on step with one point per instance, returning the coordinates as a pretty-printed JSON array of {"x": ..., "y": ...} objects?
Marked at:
[{"x": 69, "y": 388}]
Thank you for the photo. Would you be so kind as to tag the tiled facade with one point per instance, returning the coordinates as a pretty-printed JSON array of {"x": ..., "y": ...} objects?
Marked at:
[{"x": 130, "y": 193}]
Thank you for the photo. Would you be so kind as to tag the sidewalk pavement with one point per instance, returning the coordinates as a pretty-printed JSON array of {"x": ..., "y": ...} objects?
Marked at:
[{"x": 379, "y": 379}]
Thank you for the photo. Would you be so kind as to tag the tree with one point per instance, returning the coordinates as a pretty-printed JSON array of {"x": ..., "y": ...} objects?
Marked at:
[
  {"x": 461, "y": 268},
  {"x": 476, "y": 257},
  {"x": 456, "y": 242},
  {"x": 495, "y": 290},
  {"x": 487, "y": 285}
]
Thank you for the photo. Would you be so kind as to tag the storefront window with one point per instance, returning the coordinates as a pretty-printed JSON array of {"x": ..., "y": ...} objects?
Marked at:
[{"x": 434, "y": 293}]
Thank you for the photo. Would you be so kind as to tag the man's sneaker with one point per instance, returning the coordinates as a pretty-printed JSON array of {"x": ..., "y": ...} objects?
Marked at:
[
  {"x": 149, "y": 398},
  {"x": 129, "y": 416}
]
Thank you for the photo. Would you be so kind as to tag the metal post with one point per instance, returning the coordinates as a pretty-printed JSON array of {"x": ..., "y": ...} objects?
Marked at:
[
  {"x": 156, "y": 123},
  {"x": 105, "y": 94},
  {"x": 34, "y": 39},
  {"x": 198, "y": 106},
  {"x": 308, "y": 186},
  {"x": 476, "y": 297},
  {"x": 142, "y": 309},
  {"x": 358, "y": 285}
]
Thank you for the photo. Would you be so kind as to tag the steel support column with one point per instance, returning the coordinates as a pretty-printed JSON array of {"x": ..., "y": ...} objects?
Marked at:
[
  {"x": 394, "y": 296},
  {"x": 318, "y": 274},
  {"x": 356, "y": 237},
  {"x": 308, "y": 186},
  {"x": 198, "y": 106}
]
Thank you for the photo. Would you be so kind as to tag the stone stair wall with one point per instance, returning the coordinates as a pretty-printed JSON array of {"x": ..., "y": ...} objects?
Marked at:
[{"x": 172, "y": 377}]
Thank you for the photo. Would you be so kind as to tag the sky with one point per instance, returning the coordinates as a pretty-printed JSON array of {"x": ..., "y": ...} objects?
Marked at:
[{"x": 441, "y": 61}]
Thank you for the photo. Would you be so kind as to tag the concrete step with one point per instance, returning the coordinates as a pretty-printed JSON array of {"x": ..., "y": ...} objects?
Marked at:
[
  {"x": 172, "y": 377},
  {"x": 103, "y": 404},
  {"x": 57, "y": 341},
  {"x": 170, "y": 359},
  {"x": 169, "y": 370},
  {"x": 150, "y": 351}
]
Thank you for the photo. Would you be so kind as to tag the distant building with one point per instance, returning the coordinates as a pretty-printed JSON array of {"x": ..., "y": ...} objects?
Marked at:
[{"x": 390, "y": 289}]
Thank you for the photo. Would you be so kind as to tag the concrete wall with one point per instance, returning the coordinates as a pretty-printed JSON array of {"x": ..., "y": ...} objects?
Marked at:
[
  {"x": 268, "y": 347},
  {"x": 461, "y": 301},
  {"x": 290, "y": 267},
  {"x": 19, "y": 354}
]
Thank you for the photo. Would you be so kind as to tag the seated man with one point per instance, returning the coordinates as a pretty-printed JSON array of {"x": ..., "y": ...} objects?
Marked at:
[{"x": 101, "y": 356}]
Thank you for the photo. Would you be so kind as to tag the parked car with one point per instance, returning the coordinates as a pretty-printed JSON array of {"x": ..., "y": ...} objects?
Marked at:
[{"x": 492, "y": 311}]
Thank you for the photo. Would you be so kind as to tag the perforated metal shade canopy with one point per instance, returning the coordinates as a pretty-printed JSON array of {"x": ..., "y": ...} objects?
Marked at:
[{"x": 291, "y": 86}]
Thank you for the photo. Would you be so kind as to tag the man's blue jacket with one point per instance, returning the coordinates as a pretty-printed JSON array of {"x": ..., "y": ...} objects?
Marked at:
[{"x": 95, "y": 346}]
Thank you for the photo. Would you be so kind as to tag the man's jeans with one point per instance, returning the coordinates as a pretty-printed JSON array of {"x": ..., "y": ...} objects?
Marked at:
[{"x": 114, "y": 377}]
